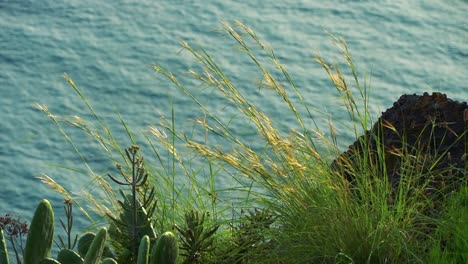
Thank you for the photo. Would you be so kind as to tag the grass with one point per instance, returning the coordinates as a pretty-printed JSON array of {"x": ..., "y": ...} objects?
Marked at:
[
  {"x": 451, "y": 239},
  {"x": 289, "y": 205}
]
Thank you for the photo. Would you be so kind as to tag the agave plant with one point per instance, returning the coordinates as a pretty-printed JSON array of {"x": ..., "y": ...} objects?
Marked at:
[
  {"x": 196, "y": 237},
  {"x": 249, "y": 236}
]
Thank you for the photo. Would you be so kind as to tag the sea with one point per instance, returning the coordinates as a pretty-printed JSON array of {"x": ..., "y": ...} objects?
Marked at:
[{"x": 108, "y": 48}]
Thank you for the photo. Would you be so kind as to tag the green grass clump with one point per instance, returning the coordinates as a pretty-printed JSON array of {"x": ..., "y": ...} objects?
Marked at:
[
  {"x": 289, "y": 204},
  {"x": 451, "y": 237}
]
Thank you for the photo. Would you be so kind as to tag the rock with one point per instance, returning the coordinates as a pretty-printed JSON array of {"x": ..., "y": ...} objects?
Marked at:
[{"x": 432, "y": 128}]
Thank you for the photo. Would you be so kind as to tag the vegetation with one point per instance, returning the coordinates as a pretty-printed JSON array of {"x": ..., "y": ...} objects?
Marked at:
[{"x": 289, "y": 205}]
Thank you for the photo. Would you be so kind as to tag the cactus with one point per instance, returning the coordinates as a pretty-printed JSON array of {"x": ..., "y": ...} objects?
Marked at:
[
  {"x": 49, "y": 261},
  {"x": 69, "y": 257},
  {"x": 165, "y": 251},
  {"x": 41, "y": 234},
  {"x": 3, "y": 249},
  {"x": 85, "y": 242},
  {"x": 109, "y": 261},
  {"x": 94, "y": 254},
  {"x": 40, "y": 238},
  {"x": 92, "y": 245},
  {"x": 143, "y": 250}
]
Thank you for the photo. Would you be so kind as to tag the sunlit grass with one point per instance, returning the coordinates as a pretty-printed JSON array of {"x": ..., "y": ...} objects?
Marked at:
[{"x": 319, "y": 216}]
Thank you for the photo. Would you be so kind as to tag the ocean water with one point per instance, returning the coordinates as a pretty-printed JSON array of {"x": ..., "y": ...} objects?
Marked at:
[{"x": 107, "y": 47}]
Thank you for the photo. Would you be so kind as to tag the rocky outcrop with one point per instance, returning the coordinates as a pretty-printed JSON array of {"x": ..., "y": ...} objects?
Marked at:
[{"x": 430, "y": 128}]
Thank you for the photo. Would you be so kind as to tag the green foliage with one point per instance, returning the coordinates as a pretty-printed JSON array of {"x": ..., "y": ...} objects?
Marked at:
[
  {"x": 85, "y": 242},
  {"x": 144, "y": 250},
  {"x": 69, "y": 256},
  {"x": 70, "y": 243},
  {"x": 197, "y": 238},
  {"x": 3, "y": 249},
  {"x": 49, "y": 261},
  {"x": 314, "y": 215},
  {"x": 165, "y": 251},
  {"x": 39, "y": 242},
  {"x": 134, "y": 222},
  {"x": 92, "y": 250},
  {"x": 250, "y": 236},
  {"x": 94, "y": 254},
  {"x": 109, "y": 261},
  {"x": 451, "y": 240},
  {"x": 14, "y": 230},
  {"x": 41, "y": 234}
]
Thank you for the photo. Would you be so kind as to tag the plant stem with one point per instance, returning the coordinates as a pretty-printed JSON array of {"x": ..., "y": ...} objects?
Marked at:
[
  {"x": 12, "y": 240},
  {"x": 134, "y": 199}
]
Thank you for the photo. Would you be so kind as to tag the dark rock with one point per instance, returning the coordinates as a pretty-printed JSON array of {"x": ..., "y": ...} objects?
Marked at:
[{"x": 432, "y": 128}]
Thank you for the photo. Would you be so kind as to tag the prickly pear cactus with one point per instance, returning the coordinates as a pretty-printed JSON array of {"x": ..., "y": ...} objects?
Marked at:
[
  {"x": 143, "y": 250},
  {"x": 94, "y": 254},
  {"x": 49, "y": 261},
  {"x": 109, "y": 261},
  {"x": 165, "y": 250},
  {"x": 85, "y": 242},
  {"x": 69, "y": 257},
  {"x": 41, "y": 234},
  {"x": 3, "y": 249}
]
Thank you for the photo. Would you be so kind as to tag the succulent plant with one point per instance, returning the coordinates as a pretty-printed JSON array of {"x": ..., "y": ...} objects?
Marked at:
[
  {"x": 69, "y": 256},
  {"x": 16, "y": 232},
  {"x": 94, "y": 254},
  {"x": 248, "y": 236},
  {"x": 132, "y": 229},
  {"x": 92, "y": 249},
  {"x": 196, "y": 238},
  {"x": 3, "y": 249},
  {"x": 49, "y": 261},
  {"x": 134, "y": 222},
  {"x": 144, "y": 250},
  {"x": 41, "y": 234},
  {"x": 85, "y": 242},
  {"x": 109, "y": 261},
  {"x": 39, "y": 243},
  {"x": 165, "y": 251}
]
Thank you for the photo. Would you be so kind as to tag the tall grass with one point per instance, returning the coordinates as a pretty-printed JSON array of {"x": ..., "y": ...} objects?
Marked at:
[
  {"x": 451, "y": 239},
  {"x": 319, "y": 217}
]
